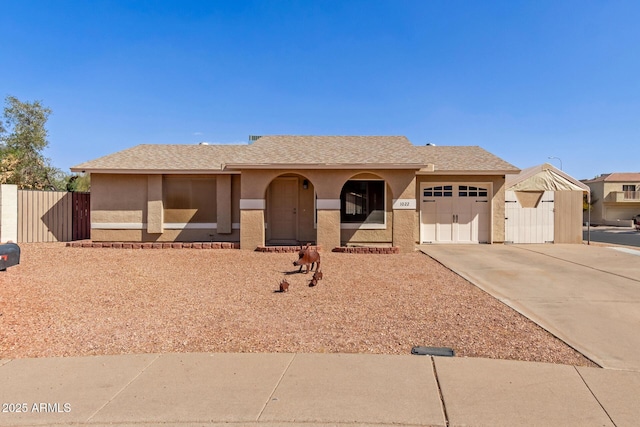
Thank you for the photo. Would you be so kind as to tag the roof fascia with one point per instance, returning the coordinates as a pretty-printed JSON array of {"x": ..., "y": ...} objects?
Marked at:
[
  {"x": 470, "y": 172},
  {"x": 239, "y": 166},
  {"x": 157, "y": 171}
]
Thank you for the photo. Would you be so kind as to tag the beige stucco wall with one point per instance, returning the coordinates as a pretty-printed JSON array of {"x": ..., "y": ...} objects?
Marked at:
[
  {"x": 327, "y": 185},
  {"x": 133, "y": 199},
  {"x": 497, "y": 200},
  {"x": 155, "y": 206},
  {"x": 251, "y": 229},
  {"x": 327, "y": 182},
  {"x": 597, "y": 197},
  {"x": 118, "y": 198},
  {"x": 329, "y": 228},
  {"x": 136, "y": 208}
]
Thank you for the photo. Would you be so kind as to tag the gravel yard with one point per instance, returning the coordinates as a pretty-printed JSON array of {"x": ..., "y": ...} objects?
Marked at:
[{"x": 63, "y": 301}]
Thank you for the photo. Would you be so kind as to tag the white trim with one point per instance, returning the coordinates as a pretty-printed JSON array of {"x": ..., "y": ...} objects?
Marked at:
[
  {"x": 118, "y": 225},
  {"x": 166, "y": 225},
  {"x": 360, "y": 226},
  {"x": 258, "y": 204},
  {"x": 185, "y": 225},
  {"x": 404, "y": 204},
  {"x": 328, "y": 204}
]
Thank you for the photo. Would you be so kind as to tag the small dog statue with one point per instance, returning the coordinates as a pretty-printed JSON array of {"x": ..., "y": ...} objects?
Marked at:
[{"x": 317, "y": 276}]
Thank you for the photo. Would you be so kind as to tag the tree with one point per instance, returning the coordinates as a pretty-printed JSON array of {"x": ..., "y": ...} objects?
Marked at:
[
  {"x": 21, "y": 145},
  {"x": 79, "y": 183}
]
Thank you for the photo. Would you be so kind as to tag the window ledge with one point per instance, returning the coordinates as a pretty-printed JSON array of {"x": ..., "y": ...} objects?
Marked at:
[{"x": 350, "y": 226}]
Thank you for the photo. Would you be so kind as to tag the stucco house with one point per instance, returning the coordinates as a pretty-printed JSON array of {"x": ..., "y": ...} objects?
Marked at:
[
  {"x": 616, "y": 198},
  {"x": 282, "y": 189}
]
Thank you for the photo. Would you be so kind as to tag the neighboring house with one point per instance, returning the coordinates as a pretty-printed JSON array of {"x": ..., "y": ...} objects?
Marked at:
[
  {"x": 329, "y": 190},
  {"x": 544, "y": 205},
  {"x": 615, "y": 198}
]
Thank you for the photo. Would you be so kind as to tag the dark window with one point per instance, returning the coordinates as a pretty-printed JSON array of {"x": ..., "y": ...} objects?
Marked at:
[{"x": 362, "y": 202}]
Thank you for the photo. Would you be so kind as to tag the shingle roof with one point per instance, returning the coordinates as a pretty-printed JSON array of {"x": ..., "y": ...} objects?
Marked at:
[
  {"x": 301, "y": 151},
  {"x": 463, "y": 158},
  {"x": 333, "y": 150},
  {"x": 166, "y": 158}
]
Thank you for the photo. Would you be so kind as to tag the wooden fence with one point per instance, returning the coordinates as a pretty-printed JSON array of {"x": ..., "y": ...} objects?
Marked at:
[{"x": 53, "y": 216}]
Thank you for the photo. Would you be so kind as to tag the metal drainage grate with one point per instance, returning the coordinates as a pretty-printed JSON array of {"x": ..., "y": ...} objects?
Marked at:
[{"x": 433, "y": 351}]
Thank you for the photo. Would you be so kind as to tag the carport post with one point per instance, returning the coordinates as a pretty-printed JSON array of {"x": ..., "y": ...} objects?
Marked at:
[{"x": 589, "y": 218}]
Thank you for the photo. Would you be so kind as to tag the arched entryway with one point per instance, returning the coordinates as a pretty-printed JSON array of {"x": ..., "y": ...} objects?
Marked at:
[
  {"x": 366, "y": 210},
  {"x": 290, "y": 215}
]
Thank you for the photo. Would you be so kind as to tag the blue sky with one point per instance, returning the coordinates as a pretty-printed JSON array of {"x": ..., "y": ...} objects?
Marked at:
[{"x": 524, "y": 80}]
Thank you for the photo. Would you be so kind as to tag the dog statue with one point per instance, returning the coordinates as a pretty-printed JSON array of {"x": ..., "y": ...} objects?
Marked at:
[{"x": 308, "y": 257}]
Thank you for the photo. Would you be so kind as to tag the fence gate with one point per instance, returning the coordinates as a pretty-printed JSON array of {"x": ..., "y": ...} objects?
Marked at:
[
  {"x": 81, "y": 216},
  {"x": 52, "y": 216}
]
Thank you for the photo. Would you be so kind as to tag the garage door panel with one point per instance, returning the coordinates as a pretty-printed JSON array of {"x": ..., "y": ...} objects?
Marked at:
[{"x": 455, "y": 213}]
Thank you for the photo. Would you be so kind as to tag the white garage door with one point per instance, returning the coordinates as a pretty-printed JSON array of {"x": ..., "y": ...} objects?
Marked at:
[
  {"x": 529, "y": 224},
  {"x": 454, "y": 213},
  {"x": 620, "y": 213}
]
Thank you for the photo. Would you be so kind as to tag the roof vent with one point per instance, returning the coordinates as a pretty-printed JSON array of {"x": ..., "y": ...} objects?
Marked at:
[
  {"x": 203, "y": 143},
  {"x": 254, "y": 138}
]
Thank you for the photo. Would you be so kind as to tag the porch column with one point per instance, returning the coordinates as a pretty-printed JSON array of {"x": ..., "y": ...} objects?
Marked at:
[
  {"x": 251, "y": 223},
  {"x": 404, "y": 224},
  {"x": 155, "y": 208},
  {"x": 328, "y": 233},
  {"x": 223, "y": 204}
]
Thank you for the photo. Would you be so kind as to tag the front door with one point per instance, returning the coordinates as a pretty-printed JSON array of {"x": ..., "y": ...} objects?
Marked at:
[{"x": 283, "y": 210}]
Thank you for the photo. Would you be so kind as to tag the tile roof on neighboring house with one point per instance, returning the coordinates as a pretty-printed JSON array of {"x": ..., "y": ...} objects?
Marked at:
[
  {"x": 301, "y": 152},
  {"x": 616, "y": 177}
]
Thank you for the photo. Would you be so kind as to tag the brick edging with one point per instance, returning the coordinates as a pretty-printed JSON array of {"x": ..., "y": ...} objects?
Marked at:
[
  {"x": 284, "y": 249},
  {"x": 367, "y": 250},
  {"x": 147, "y": 245}
]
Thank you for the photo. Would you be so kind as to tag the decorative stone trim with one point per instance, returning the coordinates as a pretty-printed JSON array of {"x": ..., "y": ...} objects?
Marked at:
[
  {"x": 157, "y": 245},
  {"x": 367, "y": 250},
  {"x": 250, "y": 204},
  {"x": 328, "y": 204}
]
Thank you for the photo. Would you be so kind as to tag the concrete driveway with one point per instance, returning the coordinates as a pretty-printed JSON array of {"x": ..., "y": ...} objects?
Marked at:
[{"x": 588, "y": 296}]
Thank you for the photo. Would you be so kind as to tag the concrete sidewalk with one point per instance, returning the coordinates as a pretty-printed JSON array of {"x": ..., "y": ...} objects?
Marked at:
[
  {"x": 312, "y": 389},
  {"x": 588, "y": 296}
]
